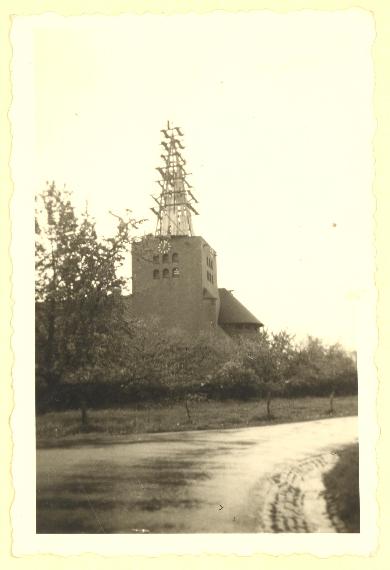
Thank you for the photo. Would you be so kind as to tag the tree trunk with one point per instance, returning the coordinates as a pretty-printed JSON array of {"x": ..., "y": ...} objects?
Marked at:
[
  {"x": 269, "y": 398},
  {"x": 331, "y": 398},
  {"x": 49, "y": 351},
  {"x": 188, "y": 411},
  {"x": 84, "y": 415}
]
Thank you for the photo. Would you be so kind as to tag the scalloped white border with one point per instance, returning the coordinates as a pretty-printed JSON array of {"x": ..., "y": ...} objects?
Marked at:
[{"x": 25, "y": 541}]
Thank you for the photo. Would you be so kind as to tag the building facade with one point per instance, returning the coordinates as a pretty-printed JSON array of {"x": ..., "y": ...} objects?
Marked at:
[
  {"x": 174, "y": 273},
  {"x": 176, "y": 283}
]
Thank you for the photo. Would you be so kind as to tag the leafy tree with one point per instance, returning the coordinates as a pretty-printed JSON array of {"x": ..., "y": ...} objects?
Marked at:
[
  {"x": 339, "y": 369},
  {"x": 84, "y": 335},
  {"x": 80, "y": 328},
  {"x": 320, "y": 369},
  {"x": 270, "y": 355},
  {"x": 182, "y": 366}
]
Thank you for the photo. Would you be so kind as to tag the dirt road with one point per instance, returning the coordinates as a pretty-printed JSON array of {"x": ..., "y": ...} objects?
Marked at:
[{"x": 259, "y": 479}]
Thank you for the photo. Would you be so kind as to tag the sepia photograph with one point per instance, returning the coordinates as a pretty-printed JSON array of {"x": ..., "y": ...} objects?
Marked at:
[{"x": 201, "y": 187}]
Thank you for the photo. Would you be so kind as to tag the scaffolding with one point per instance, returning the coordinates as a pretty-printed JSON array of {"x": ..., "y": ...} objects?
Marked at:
[{"x": 175, "y": 203}]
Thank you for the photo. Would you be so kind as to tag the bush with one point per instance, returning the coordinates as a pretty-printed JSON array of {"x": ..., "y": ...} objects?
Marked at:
[
  {"x": 173, "y": 368},
  {"x": 343, "y": 385},
  {"x": 97, "y": 395},
  {"x": 233, "y": 380},
  {"x": 342, "y": 488}
]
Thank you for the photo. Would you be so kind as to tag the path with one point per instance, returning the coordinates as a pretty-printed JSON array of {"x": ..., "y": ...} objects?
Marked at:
[{"x": 258, "y": 479}]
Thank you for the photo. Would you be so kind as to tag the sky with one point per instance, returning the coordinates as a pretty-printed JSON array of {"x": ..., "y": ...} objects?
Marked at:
[{"x": 278, "y": 122}]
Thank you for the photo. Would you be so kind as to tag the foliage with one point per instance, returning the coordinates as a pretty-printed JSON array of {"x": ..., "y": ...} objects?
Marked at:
[
  {"x": 342, "y": 488},
  {"x": 80, "y": 329},
  {"x": 85, "y": 338},
  {"x": 178, "y": 363},
  {"x": 322, "y": 369}
]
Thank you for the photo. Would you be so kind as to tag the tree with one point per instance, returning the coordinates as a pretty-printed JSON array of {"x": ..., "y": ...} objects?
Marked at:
[
  {"x": 179, "y": 365},
  {"x": 270, "y": 356},
  {"x": 339, "y": 369},
  {"x": 320, "y": 369},
  {"x": 80, "y": 328}
]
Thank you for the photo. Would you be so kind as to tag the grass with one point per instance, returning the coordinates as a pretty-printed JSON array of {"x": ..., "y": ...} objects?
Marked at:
[
  {"x": 342, "y": 486},
  {"x": 53, "y": 426}
]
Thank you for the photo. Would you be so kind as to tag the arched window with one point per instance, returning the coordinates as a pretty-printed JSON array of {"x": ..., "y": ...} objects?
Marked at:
[
  {"x": 165, "y": 258},
  {"x": 175, "y": 272},
  {"x": 166, "y": 273},
  {"x": 156, "y": 259},
  {"x": 156, "y": 274},
  {"x": 175, "y": 258}
]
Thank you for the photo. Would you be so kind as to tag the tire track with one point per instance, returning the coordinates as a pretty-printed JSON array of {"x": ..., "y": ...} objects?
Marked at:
[{"x": 295, "y": 500}]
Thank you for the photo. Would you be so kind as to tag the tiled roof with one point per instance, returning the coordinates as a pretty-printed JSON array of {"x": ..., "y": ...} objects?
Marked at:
[
  {"x": 208, "y": 295},
  {"x": 233, "y": 312}
]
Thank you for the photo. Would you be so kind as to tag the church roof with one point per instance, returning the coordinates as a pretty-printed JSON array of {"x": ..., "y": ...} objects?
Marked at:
[
  {"x": 233, "y": 312},
  {"x": 208, "y": 295}
]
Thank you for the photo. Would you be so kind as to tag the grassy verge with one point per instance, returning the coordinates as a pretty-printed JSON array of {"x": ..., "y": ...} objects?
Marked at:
[
  {"x": 204, "y": 415},
  {"x": 342, "y": 487}
]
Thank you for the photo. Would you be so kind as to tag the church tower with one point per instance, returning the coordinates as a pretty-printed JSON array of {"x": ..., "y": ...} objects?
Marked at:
[{"x": 175, "y": 271}]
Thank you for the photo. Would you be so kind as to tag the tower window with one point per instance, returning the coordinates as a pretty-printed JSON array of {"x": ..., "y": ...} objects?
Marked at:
[
  {"x": 156, "y": 274},
  {"x": 175, "y": 258},
  {"x": 166, "y": 274},
  {"x": 175, "y": 272},
  {"x": 165, "y": 258},
  {"x": 156, "y": 259}
]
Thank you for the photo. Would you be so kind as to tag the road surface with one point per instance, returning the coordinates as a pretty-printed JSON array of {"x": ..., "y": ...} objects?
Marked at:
[{"x": 258, "y": 479}]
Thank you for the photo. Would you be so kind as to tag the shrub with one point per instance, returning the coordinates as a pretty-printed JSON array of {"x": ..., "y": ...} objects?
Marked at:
[{"x": 233, "y": 380}]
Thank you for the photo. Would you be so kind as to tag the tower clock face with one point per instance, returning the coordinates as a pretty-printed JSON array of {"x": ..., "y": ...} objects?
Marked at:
[{"x": 164, "y": 246}]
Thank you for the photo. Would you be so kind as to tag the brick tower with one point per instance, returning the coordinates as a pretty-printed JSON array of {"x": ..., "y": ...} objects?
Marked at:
[{"x": 174, "y": 271}]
